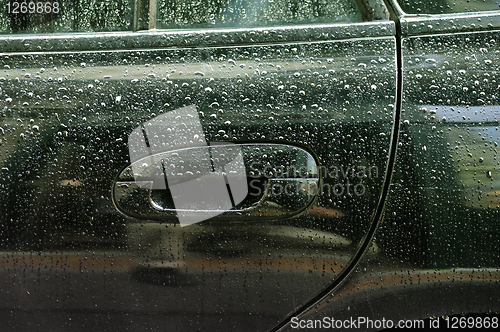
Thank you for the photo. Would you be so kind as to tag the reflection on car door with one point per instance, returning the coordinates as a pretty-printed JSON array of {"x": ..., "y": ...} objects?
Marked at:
[{"x": 450, "y": 114}]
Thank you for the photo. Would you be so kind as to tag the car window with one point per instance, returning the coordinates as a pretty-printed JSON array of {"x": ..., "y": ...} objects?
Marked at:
[
  {"x": 32, "y": 16},
  {"x": 448, "y": 6},
  {"x": 233, "y": 13}
]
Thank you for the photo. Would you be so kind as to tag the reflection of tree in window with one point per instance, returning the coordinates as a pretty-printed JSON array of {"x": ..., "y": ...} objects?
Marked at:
[{"x": 214, "y": 13}]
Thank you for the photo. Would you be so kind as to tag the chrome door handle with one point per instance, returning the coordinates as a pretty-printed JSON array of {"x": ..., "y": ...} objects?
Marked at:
[{"x": 236, "y": 182}]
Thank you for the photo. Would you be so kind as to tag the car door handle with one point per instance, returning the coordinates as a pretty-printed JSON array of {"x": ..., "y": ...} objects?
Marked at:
[{"x": 238, "y": 182}]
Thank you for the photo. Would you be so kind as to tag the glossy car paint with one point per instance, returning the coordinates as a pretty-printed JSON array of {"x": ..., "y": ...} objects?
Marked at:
[{"x": 375, "y": 103}]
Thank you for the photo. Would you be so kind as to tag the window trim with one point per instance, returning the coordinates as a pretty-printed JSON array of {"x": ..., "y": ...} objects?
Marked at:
[
  {"x": 144, "y": 15},
  {"x": 412, "y": 25},
  {"x": 209, "y": 37}
]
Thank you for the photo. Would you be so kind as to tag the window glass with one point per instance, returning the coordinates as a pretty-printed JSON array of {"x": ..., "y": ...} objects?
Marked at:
[
  {"x": 448, "y": 6},
  {"x": 34, "y": 16},
  {"x": 234, "y": 13}
]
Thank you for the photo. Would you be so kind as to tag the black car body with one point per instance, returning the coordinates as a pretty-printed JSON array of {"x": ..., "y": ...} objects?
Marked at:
[{"x": 367, "y": 134}]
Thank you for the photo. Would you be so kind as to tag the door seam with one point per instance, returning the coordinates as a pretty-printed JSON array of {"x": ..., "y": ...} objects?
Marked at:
[{"x": 376, "y": 218}]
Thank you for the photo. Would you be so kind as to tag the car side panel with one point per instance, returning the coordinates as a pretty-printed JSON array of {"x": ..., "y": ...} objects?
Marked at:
[{"x": 66, "y": 121}]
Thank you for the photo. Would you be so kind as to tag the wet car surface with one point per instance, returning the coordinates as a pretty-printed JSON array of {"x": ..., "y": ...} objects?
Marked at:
[{"x": 220, "y": 169}]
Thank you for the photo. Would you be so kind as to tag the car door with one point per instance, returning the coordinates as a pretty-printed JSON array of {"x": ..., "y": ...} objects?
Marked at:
[
  {"x": 195, "y": 165},
  {"x": 450, "y": 112}
]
